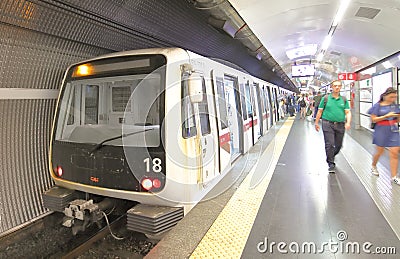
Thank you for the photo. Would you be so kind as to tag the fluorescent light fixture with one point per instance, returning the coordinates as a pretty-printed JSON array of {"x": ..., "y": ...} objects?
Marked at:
[
  {"x": 369, "y": 71},
  {"x": 326, "y": 42},
  {"x": 320, "y": 57},
  {"x": 340, "y": 13},
  {"x": 387, "y": 64},
  {"x": 307, "y": 50},
  {"x": 398, "y": 56}
]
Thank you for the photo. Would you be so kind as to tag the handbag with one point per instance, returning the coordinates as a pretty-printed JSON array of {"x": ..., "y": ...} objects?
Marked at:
[{"x": 373, "y": 124}]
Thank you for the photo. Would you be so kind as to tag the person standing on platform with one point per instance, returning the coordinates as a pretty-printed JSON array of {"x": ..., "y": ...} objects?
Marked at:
[
  {"x": 297, "y": 103},
  {"x": 291, "y": 106},
  {"x": 281, "y": 109},
  {"x": 303, "y": 106},
  {"x": 336, "y": 118},
  {"x": 385, "y": 114},
  {"x": 317, "y": 100}
]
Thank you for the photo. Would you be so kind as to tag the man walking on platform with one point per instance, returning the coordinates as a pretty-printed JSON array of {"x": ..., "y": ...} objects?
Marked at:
[{"x": 336, "y": 117}]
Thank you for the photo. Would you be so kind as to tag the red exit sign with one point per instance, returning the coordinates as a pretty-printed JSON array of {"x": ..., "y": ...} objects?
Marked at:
[{"x": 347, "y": 76}]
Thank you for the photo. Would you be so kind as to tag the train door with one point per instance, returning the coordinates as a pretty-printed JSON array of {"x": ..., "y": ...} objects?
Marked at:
[
  {"x": 205, "y": 134},
  {"x": 257, "y": 115},
  {"x": 235, "y": 121},
  {"x": 270, "y": 99},
  {"x": 249, "y": 123},
  {"x": 276, "y": 104},
  {"x": 247, "y": 113},
  {"x": 223, "y": 121},
  {"x": 261, "y": 108},
  {"x": 267, "y": 108},
  {"x": 207, "y": 139}
]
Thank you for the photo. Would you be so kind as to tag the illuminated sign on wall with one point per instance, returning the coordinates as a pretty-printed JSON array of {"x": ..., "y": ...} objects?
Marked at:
[{"x": 347, "y": 76}]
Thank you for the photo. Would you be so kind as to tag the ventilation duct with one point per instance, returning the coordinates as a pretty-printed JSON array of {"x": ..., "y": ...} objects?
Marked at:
[
  {"x": 224, "y": 17},
  {"x": 367, "y": 12}
]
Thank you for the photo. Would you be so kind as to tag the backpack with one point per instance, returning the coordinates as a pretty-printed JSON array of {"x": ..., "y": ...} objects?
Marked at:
[
  {"x": 302, "y": 103},
  {"x": 326, "y": 100}
]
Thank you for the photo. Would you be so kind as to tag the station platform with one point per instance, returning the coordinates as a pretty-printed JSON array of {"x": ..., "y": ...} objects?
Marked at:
[{"x": 284, "y": 203}]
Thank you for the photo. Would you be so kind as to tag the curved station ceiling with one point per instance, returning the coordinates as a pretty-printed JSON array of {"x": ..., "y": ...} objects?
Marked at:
[{"x": 334, "y": 36}]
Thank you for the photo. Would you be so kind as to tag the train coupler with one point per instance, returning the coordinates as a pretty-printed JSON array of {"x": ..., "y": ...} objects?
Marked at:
[{"x": 82, "y": 213}]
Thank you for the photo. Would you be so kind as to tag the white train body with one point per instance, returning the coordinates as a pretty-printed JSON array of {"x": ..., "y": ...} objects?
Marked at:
[{"x": 201, "y": 136}]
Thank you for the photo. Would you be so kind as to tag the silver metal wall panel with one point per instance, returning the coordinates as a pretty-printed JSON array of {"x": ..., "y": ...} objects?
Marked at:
[
  {"x": 30, "y": 62},
  {"x": 24, "y": 130},
  {"x": 36, "y": 60},
  {"x": 70, "y": 23}
]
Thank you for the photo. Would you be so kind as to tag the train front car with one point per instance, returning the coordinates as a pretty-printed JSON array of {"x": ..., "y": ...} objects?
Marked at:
[{"x": 106, "y": 145}]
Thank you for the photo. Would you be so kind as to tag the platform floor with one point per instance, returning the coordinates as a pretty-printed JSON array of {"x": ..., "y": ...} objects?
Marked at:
[{"x": 284, "y": 193}]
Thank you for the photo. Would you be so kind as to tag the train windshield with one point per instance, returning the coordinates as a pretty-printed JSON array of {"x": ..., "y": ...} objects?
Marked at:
[{"x": 93, "y": 110}]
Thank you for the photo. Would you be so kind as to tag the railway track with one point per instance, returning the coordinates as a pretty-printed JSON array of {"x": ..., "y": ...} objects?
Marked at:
[
  {"x": 102, "y": 233},
  {"x": 46, "y": 238}
]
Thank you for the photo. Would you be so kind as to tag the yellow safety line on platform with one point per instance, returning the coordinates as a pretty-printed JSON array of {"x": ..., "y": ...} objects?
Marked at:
[{"x": 228, "y": 235}]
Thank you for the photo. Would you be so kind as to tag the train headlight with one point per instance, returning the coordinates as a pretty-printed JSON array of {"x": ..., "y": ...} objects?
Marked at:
[
  {"x": 147, "y": 184},
  {"x": 83, "y": 70},
  {"x": 156, "y": 183},
  {"x": 59, "y": 171}
]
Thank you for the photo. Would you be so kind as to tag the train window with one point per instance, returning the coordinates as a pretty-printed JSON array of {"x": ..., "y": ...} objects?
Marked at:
[
  {"x": 243, "y": 101},
  {"x": 223, "y": 115},
  {"x": 261, "y": 99},
  {"x": 248, "y": 101},
  {"x": 71, "y": 112},
  {"x": 120, "y": 98},
  {"x": 146, "y": 101},
  {"x": 266, "y": 102},
  {"x": 189, "y": 124},
  {"x": 253, "y": 100},
  {"x": 112, "y": 106},
  {"x": 203, "y": 112},
  {"x": 91, "y": 104}
]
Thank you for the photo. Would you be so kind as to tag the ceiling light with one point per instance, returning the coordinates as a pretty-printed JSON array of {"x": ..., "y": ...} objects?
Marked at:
[
  {"x": 307, "y": 50},
  {"x": 387, "y": 64},
  {"x": 326, "y": 42},
  {"x": 320, "y": 57},
  {"x": 340, "y": 13}
]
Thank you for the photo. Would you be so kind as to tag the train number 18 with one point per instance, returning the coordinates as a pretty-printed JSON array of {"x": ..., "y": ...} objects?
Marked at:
[{"x": 157, "y": 168}]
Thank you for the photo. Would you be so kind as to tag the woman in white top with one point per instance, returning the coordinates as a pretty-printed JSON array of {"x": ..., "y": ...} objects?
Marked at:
[{"x": 281, "y": 111}]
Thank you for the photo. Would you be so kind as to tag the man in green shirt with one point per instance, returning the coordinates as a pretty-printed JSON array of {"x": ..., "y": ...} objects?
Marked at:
[{"x": 336, "y": 117}]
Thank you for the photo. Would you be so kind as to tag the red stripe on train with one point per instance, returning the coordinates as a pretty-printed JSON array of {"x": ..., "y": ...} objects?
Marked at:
[
  {"x": 224, "y": 138},
  {"x": 248, "y": 125}
]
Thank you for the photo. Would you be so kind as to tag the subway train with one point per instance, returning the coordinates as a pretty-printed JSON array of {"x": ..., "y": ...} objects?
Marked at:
[{"x": 152, "y": 132}]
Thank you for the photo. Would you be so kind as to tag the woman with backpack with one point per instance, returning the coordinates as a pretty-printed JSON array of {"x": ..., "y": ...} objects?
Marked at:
[
  {"x": 303, "y": 106},
  {"x": 385, "y": 114}
]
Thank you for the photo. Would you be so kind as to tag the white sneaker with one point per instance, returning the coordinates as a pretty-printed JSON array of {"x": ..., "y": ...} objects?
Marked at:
[
  {"x": 396, "y": 180},
  {"x": 374, "y": 171}
]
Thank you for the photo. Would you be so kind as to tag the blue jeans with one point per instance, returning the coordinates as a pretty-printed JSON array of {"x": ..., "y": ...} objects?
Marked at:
[
  {"x": 315, "y": 111},
  {"x": 333, "y": 136}
]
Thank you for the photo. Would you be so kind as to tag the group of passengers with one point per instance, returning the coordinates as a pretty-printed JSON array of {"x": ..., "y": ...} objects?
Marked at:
[
  {"x": 304, "y": 104},
  {"x": 334, "y": 110}
]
